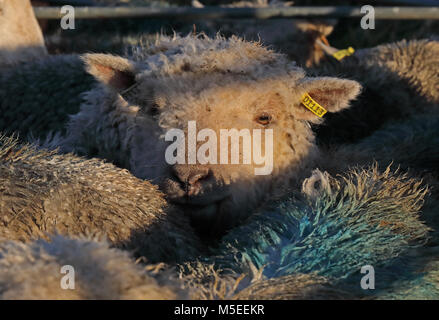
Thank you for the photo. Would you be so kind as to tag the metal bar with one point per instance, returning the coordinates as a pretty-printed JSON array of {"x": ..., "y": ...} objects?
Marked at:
[
  {"x": 72, "y": 2},
  {"x": 418, "y": 3},
  {"x": 409, "y": 13}
]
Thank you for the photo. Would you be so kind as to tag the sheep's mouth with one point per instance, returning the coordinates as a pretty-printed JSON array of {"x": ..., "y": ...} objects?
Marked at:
[
  {"x": 202, "y": 209},
  {"x": 204, "y": 219},
  {"x": 178, "y": 195},
  {"x": 200, "y": 200}
]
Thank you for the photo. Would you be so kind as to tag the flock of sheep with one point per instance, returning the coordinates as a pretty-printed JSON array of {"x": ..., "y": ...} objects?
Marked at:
[{"x": 86, "y": 183}]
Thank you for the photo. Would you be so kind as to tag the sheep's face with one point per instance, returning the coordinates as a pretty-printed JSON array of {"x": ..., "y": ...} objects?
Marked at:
[
  {"x": 215, "y": 190},
  {"x": 181, "y": 122}
]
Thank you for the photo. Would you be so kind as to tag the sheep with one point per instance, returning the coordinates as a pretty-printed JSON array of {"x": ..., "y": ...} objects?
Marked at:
[
  {"x": 313, "y": 245},
  {"x": 181, "y": 79},
  {"x": 420, "y": 279},
  {"x": 195, "y": 78},
  {"x": 96, "y": 271},
  {"x": 44, "y": 194},
  {"x": 200, "y": 79},
  {"x": 399, "y": 80},
  {"x": 297, "y": 38},
  {"x": 414, "y": 61},
  {"x": 35, "y": 271},
  {"x": 336, "y": 226},
  {"x": 21, "y": 38},
  {"x": 410, "y": 143},
  {"x": 293, "y": 287},
  {"x": 421, "y": 285},
  {"x": 178, "y": 80},
  {"x": 36, "y": 111},
  {"x": 354, "y": 214},
  {"x": 389, "y": 200},
  {"x": 204, "y": 281}
]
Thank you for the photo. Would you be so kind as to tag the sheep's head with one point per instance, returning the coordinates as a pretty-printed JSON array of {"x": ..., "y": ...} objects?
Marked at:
[{"x": 236, "y": 85}]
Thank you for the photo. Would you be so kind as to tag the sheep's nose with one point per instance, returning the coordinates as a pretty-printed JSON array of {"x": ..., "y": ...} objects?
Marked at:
[{"x": 190, "y": 178}]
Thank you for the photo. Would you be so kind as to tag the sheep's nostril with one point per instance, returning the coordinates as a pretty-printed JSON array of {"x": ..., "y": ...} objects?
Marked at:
[
  {"x": 194, "y": 182},
  {"x": 181, "y": 180},
  {"x": 196, "y": 177},
  {"x": 190, "y": 178}
]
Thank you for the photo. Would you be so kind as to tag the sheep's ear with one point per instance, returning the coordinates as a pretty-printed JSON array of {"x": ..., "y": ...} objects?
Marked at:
[
  {"x": 332, "y": 94},
  {"x": 115, "y": 72}
]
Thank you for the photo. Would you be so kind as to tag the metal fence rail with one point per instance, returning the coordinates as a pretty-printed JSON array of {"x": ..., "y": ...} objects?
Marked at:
[
  {"x": 404, "y": 13},
  {"x": 428, "y": 3},
  {"x": 71, "y": 2}
]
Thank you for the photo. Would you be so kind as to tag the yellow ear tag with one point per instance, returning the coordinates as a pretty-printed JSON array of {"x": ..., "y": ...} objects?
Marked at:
[
  {"x": 313, "y": 105},
  {"x": 341, "y": 54}
]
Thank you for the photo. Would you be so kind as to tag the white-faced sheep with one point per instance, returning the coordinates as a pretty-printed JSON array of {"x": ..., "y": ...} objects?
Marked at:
[
  {"x": 179, "y": 80},
  {"x": 20, "y": 35},
  {"x": 183, "y": 79},
  {"x": 43, "y": 194},
  {"x": 200, "y": 79}
]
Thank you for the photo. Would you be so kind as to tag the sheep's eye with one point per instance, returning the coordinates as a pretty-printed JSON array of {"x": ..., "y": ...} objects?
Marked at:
[{"x": 264, "y": 118}]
